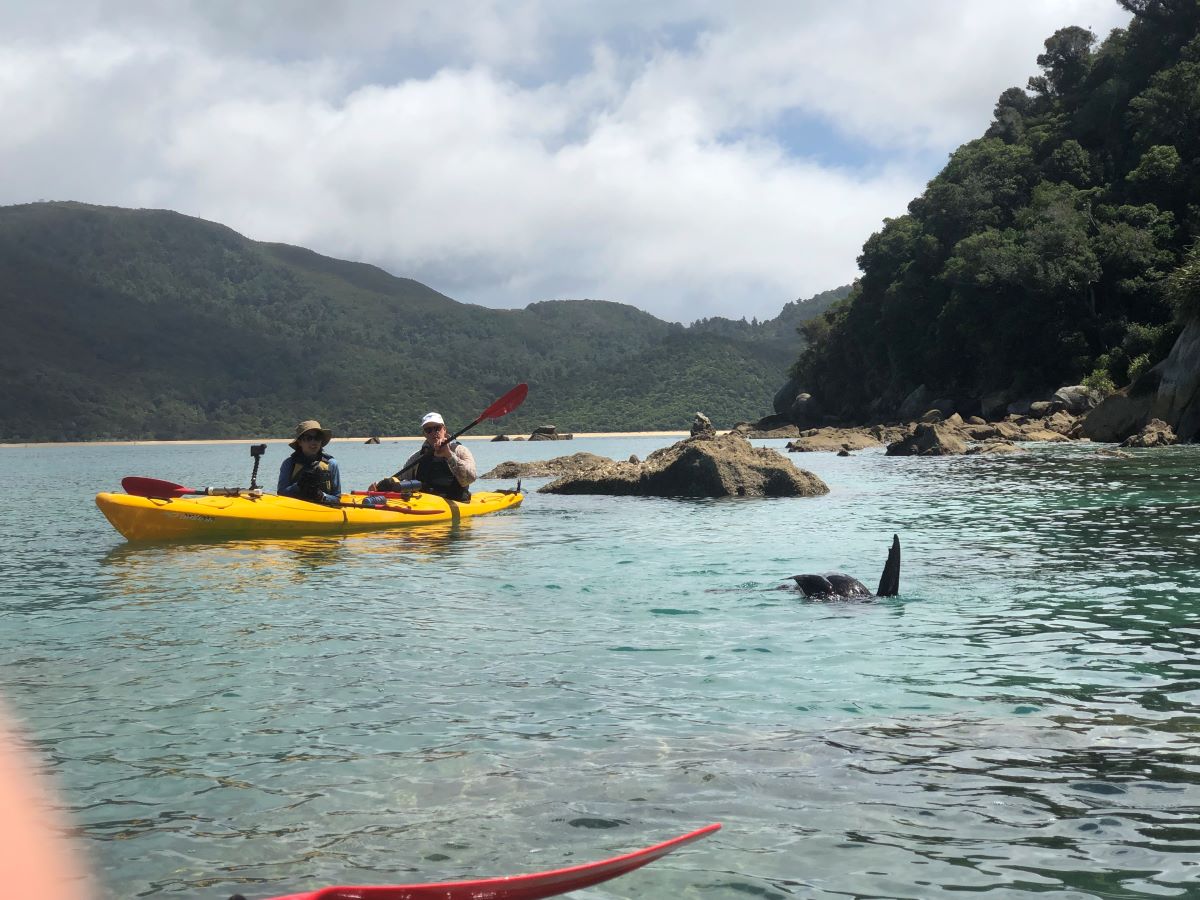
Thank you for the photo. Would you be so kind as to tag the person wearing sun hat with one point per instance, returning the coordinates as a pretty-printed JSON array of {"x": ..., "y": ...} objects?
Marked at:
[
  {"x": 443, "y": 467},
  {"x": 310, "y": 473}
]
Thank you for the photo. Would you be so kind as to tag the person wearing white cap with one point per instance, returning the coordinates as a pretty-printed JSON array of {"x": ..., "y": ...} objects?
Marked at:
[{"x": 443, "y": 467}]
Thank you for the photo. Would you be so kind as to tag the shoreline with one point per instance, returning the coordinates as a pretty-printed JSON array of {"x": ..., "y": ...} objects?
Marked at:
[{"x": 487, "y": 438}]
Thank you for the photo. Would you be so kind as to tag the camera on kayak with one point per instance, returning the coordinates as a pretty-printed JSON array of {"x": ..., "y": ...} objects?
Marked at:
[{"x": 256, "y": 450}]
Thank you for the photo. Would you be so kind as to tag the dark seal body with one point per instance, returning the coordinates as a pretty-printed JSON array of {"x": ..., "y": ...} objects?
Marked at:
[{"x": 834, "y": 585}]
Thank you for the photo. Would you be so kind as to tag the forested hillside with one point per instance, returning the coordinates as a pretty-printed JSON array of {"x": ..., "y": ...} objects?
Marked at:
[
  {"x": 136, "y": 324},
  {"x": 1052, "y": 249}
]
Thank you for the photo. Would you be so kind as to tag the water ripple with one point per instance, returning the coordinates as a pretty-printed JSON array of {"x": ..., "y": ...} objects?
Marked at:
[{"x": 588, "y": 675}]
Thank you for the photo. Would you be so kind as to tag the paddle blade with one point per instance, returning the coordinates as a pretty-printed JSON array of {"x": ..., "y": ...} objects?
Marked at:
[
  {"x": 513, "y": 887},
  {"x": 154, "y": 487},
  {"x": 507, "y": 403}
]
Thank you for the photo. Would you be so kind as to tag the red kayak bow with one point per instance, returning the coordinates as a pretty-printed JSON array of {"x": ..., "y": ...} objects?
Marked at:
[{"x": 513, "y": 887}]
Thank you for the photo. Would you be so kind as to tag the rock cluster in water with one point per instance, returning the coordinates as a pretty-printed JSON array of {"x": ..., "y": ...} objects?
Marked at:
[{"x": 707, "y": 465}]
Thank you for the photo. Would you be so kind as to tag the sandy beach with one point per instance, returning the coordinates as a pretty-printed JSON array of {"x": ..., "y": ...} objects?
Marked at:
[{"x": 336, "y": 440}]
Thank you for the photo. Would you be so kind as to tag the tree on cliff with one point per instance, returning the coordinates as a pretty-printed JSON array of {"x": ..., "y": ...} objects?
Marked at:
[{"x": 1039, "y": 255}]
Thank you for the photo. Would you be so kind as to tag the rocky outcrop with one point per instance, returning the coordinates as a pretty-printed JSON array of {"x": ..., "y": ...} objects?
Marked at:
[
  {"x": 371, "y": 440},
  {"x": 1077, "y": 399},
  {"x": 1170, "y": 392},
  {"x": 785, "y": 397},
  {"x": 928, "y": 440},
  {"x": 549, "y": 433},
  {"x": 560, "y": 465},
  {"x": 782, "y": 432},
  {"x": 1124, "y": 413},
  {"x": 702, "y": 427},
  {"x": 1157, "y": 433},
  {"x": 832, "y": 440},
  {"x": 724, "y": 466},
  {"x": 1177, "y": 401},
  {"x": 917, "y": 402},
  {"x": 500, "y": 437}
]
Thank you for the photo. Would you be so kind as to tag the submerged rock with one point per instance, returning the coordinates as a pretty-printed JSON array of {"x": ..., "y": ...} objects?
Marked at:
[
  {"x": 724, "y": 466},
  {"x": 996, "y": 446}
]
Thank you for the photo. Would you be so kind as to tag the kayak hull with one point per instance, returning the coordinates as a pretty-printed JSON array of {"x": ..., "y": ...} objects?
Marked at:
[{"x": 199, "y": 517}]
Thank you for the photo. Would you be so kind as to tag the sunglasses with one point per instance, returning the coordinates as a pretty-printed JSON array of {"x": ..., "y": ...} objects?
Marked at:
[
  {"x": 432, "y": 429},
  {"x": 310, "y": 437}
]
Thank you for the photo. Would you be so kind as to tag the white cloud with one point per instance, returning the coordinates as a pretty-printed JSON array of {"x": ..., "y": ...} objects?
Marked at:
[{"x": 510, "y": 153}]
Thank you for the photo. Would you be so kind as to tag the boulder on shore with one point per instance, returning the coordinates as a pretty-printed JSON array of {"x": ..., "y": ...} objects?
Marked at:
[
  {"x": 549, "y": 433},
  {"x": 1121, "y": 414},
  {"x": 1157, "y": 433},
  {"x": 1077, "y": 399},
  {"x": 832, "y": 440},
  {"x": 724, "y": 466},
  {"x": 371, "y": 440},
  {"x": 927, "y": 440},
  {"x": 1177, "y": 401}
]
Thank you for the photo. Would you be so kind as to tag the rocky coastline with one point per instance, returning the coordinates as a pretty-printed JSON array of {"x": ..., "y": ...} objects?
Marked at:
[{"x": 1134, "y": 417}]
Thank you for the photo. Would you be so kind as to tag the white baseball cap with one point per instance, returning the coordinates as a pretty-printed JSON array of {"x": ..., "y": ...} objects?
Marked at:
[{"x": 432, "y": 418}]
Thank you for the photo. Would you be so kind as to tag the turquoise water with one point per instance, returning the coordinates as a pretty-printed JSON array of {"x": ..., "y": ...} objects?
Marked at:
[{"x": 587, "y": 675}]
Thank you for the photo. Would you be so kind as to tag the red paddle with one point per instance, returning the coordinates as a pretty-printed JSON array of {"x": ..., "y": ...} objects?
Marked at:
[
  {"x": 156, "y": 487},
  {"x": 513, "y": 887},
  {"x": 501, "y": 407}
]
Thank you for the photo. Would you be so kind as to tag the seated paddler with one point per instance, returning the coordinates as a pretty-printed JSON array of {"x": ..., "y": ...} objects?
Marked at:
[
  {"x": 310, "y": 473},
  {"x": 444, "y": 467}
]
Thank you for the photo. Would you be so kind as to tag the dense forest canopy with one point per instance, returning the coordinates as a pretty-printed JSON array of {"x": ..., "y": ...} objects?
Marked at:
[
  {"x": 146, "y": 324},
  {"x": 1058, "y": 247}
]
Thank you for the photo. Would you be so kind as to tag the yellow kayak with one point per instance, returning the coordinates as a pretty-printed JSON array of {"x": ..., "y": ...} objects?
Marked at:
[{"x": 156, "y": 519}]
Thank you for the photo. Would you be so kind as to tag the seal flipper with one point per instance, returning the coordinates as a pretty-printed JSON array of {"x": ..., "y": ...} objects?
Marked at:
[{"x": 889, "y": 581}]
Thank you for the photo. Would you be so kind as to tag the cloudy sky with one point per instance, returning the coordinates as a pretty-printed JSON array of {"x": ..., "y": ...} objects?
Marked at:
[{"x": 689, "y": 157}]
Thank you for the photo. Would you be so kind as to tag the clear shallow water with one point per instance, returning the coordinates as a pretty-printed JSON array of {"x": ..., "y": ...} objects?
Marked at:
[{"x": 587, "y": 675}]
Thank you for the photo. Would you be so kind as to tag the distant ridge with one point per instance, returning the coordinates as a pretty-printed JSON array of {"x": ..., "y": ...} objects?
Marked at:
[{"x": 149, "y": 324}]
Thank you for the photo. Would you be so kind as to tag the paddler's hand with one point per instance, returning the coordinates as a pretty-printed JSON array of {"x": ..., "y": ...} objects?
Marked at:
[{"x": 442, "y": 450}]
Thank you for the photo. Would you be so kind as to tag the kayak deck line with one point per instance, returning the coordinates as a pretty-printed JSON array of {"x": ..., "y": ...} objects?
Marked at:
[
  {"x": 242, "y": 514},
  {"x": 532, "y": 886}
]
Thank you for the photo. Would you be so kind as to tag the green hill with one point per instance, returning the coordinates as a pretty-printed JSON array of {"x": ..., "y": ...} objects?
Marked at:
[
  {"x": 1043, "y": 252},
  {"x": 147, "y": 324}
]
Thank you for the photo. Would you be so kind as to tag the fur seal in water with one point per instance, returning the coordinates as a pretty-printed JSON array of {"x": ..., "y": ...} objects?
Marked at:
[{"x": 836, "y": 585}]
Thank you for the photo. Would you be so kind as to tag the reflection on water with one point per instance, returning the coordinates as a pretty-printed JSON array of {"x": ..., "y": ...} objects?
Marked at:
[{"x": 586, "y": 675}]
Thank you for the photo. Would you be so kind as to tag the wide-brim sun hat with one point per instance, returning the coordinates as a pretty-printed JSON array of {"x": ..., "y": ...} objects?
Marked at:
[
  {"x": 432, "y": 418},
  {"x": 310, "y": 425}
]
